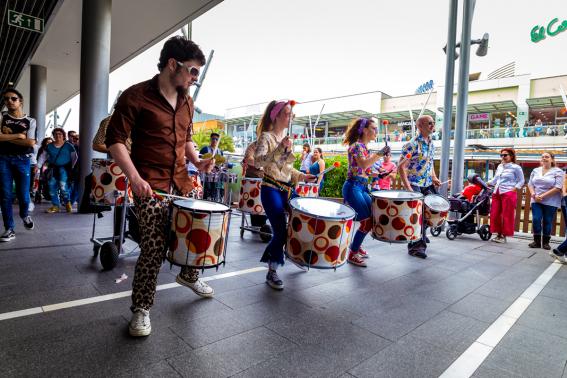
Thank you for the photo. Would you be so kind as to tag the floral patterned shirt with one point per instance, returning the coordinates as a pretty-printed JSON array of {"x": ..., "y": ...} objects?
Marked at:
[
  {"x": 357, "y": 150},
  {"x": 276, "y": 162},
  {"x": 421, "y": 155}
]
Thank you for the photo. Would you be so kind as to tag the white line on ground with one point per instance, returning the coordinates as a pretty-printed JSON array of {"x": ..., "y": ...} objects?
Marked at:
[
  {"x": 474, "y": 356},
  {"x": 108, "y": 297}
]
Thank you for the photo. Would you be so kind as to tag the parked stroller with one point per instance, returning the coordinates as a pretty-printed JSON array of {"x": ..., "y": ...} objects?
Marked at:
[{"x": 469, "y": 210}]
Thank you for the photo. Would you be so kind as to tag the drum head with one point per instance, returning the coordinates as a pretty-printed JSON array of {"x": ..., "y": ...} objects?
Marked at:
[
  {"x": 317, "y": 207},
  {"x": 201, "y": 205},
  {"x": 396, "y": 195},
  {"x": 436, "y": 202}
]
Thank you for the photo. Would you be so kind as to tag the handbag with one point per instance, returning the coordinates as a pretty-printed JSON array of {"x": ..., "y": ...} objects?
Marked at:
[{"x": 49, "y": 172}]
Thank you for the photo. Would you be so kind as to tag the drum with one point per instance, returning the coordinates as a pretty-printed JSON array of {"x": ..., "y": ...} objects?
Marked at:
[
  {"x": 108, "y": 183},
  {"x": 198, "y": 236},
  {"x": 250, "y": 196},
  {"x": 319, "y": 232},
  {"x": 397, "y": 215},
  {"x": 436, "y": 210},
  {"x": 307, "y": 189}
]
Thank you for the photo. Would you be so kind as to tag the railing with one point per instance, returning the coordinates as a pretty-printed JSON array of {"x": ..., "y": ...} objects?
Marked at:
[{"x": 491, "y": 133}]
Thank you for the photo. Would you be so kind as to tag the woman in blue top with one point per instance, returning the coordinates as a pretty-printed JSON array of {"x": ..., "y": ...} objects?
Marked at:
[
  {"x": 317, "y": 166},
  {"x": 61, "y": 156}
]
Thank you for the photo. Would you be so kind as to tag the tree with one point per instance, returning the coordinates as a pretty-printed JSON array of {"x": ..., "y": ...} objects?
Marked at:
[{"x": 203, "y": 138}]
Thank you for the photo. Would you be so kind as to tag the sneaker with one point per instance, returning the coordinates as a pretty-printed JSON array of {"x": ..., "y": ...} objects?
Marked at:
[
  {"x": 273, "y": 280},
  {"x": 28, "y": 223},
  {"x": 140, "y": 323},
  {"x": 559, "y": 256},
  {"x": 356, "y": 259},
  {"x": 69, "y": 207},
  {"x": 499, "y": 239},
  {"x": 7, "y": 236},
  {"x": 362, "y": 253},
  {"x": 421, "y": 255},
  {"x": 53, "y": 209},
  {"x": 31, "y": 207},
  {"x": 199, "y": 287}
]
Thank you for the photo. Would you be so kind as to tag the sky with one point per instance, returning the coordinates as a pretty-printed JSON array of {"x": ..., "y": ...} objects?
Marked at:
[{"x": 312, "y": 49}]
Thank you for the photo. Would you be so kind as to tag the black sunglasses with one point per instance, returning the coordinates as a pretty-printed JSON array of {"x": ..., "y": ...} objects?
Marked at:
[
  {"x": 13, "y": 98},
  {"x": 431, "y": 123},
  {"x": 504, "y": 155}
]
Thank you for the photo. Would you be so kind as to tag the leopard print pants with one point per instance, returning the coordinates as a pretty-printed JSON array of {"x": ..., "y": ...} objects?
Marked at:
[{"x": 153, "y": 217}]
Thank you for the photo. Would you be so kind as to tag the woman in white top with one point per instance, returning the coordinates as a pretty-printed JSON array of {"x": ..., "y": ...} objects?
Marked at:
[
  {"x": 545, "y": 187},
  {"x": 508, "y": 179},
  {"x": 560, "y": 253},
  {"x": 305, "y": 158}
]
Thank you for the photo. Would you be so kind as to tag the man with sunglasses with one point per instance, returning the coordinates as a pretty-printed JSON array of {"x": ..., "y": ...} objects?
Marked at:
[
  {"x": 214, "y": 149},
  {"x": 17, "y": 138},
  {"x": 417, "y": 171},
  {"x": 157, "y": 114}
]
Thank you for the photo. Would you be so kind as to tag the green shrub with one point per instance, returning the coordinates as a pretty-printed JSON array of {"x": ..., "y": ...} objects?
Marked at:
[{"x": 334, "y": 180}]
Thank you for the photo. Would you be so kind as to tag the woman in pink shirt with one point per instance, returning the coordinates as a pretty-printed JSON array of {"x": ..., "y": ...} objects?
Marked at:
[{"x": 388, "y": 167}]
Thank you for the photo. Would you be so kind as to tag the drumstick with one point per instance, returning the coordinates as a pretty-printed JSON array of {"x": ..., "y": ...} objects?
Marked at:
[
  {"x": 335, "y": 165},
  {"x": 169, "y": 195}
]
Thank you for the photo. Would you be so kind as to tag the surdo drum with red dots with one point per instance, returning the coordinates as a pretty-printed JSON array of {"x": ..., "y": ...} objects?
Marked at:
[
  {"x": 319, "y": 232},
  {"x": 108, "y": 183},
  {"x": 250, "y": 196},
  {"x": 307, "y": 189},
  {"x": 397, "y": 215},
  {"x": 436, "y": 210},
  {"x": 198, "y": 235}
]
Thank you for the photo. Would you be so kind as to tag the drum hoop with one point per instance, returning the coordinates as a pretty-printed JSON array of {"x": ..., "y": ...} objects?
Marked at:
[
  {"x": 437, "y": 195},
  {"x": 228, "y": 209},
  {"x": 323, "y": 217},
  {"x": 374, "y": 194}
]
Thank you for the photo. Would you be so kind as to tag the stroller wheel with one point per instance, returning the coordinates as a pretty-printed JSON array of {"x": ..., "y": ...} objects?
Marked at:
[
  {"x": 451, "y": 232},
  {"x": 109, "y": 255},
  {"x": 484, "y": 232},
  {"x": 436, "y": 231}
]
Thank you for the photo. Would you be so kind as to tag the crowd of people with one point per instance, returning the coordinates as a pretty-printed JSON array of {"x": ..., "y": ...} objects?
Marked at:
[{"x": 160, "y": 160}]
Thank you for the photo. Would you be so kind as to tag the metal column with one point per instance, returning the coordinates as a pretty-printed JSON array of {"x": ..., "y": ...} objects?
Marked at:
[
  {"x": 38, "y": 98},
  {"x": 462, "y": 99},
  {"x": 95, "y": 69},
  {"x": 448, "y": 99}
]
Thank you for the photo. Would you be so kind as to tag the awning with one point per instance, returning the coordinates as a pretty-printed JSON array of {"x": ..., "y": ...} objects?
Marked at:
[
  {"x": 498, "y": 106},
  {"x": 330, "y": 117},
  {"x": 545, "y": 102},
  {"x": 404, "y": 114}
]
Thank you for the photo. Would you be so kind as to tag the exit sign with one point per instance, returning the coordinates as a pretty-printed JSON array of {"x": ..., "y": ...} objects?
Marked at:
[{"x": 25, "y": 21}]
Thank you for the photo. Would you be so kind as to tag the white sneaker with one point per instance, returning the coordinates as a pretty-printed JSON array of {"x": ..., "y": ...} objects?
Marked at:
[
  {"x": 31, "y": 207},
  {"x": 499, "y": 239},
  {"x": 140, "y": 323},
  {"x": 199, "y": 287}
]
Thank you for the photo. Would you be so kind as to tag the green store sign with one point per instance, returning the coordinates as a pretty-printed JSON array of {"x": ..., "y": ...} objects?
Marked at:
[{"x": 553, "y": 28}]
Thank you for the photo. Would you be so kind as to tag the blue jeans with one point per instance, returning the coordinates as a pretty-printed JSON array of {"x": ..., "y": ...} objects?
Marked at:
[
  {"x": 275, "y": 203},
  {"x": 14, "y": 168},
  {"x": 542, "y": 214},
  {"x": 563, "y": 246},
  {"x": 58, "y": 183},
  {"x": 357, "y": 196}
]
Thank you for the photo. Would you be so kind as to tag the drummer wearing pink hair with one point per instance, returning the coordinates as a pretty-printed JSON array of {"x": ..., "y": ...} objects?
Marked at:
[
  {"x": 274, "y": 153},
  {"x": 355, "y": 189}
]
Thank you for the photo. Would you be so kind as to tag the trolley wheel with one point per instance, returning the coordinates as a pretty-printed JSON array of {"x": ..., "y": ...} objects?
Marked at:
[
  {"x": 266, "y": 233},
  {"x": 484, "y": 232},
  {"x": 134, "y": 228},
  {"x": 436, "y": 231},
  {"x": 109, "y": 255},
  {"x": 451, "y": 232},
  {"x": 96, "y": 248}
]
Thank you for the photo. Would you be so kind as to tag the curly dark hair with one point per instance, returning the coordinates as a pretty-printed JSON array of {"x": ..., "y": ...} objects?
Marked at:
[
  {"x": 182, "y": 50},
  {"x": 351, "y": 134}
]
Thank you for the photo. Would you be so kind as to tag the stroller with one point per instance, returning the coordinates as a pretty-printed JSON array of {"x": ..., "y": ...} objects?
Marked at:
[{"x": 469, "y": 212}]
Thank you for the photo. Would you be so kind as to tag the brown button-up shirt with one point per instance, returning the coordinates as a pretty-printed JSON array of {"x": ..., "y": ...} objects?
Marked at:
[{"x": 159, "y": 134}]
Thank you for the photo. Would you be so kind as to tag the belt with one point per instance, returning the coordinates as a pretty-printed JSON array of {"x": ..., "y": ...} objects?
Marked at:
[{"x": 280, "y": 185}]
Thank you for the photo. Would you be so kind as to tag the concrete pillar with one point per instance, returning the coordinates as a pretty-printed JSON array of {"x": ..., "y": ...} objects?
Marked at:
[
  {"x": 95, "y": 70},
  {"x": 447, "y": 116},
  {"x": 38, "y": 98},
  {"x": 462, "y": 99}
]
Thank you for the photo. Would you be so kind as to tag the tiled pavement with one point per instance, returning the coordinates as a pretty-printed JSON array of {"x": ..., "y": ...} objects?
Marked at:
[{"x": 400, "y": 317}]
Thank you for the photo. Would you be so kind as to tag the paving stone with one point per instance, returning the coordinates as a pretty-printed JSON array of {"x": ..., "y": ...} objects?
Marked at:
[
  {"x": 231, "y": 355},
  {"x": 530, "y": 353},
  {"x": 481, "y": 307},
  {"x": 408, "y": 357},
  {"x": 160, "y": 369}
]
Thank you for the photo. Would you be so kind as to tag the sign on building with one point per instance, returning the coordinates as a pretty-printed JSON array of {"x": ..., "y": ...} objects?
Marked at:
[
  {"x": 25, "y": 21},
  {"x": 479, "y": 117}
]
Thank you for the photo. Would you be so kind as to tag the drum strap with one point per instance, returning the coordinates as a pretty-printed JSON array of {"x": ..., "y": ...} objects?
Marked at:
[{"x": 282, "y": 186}]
